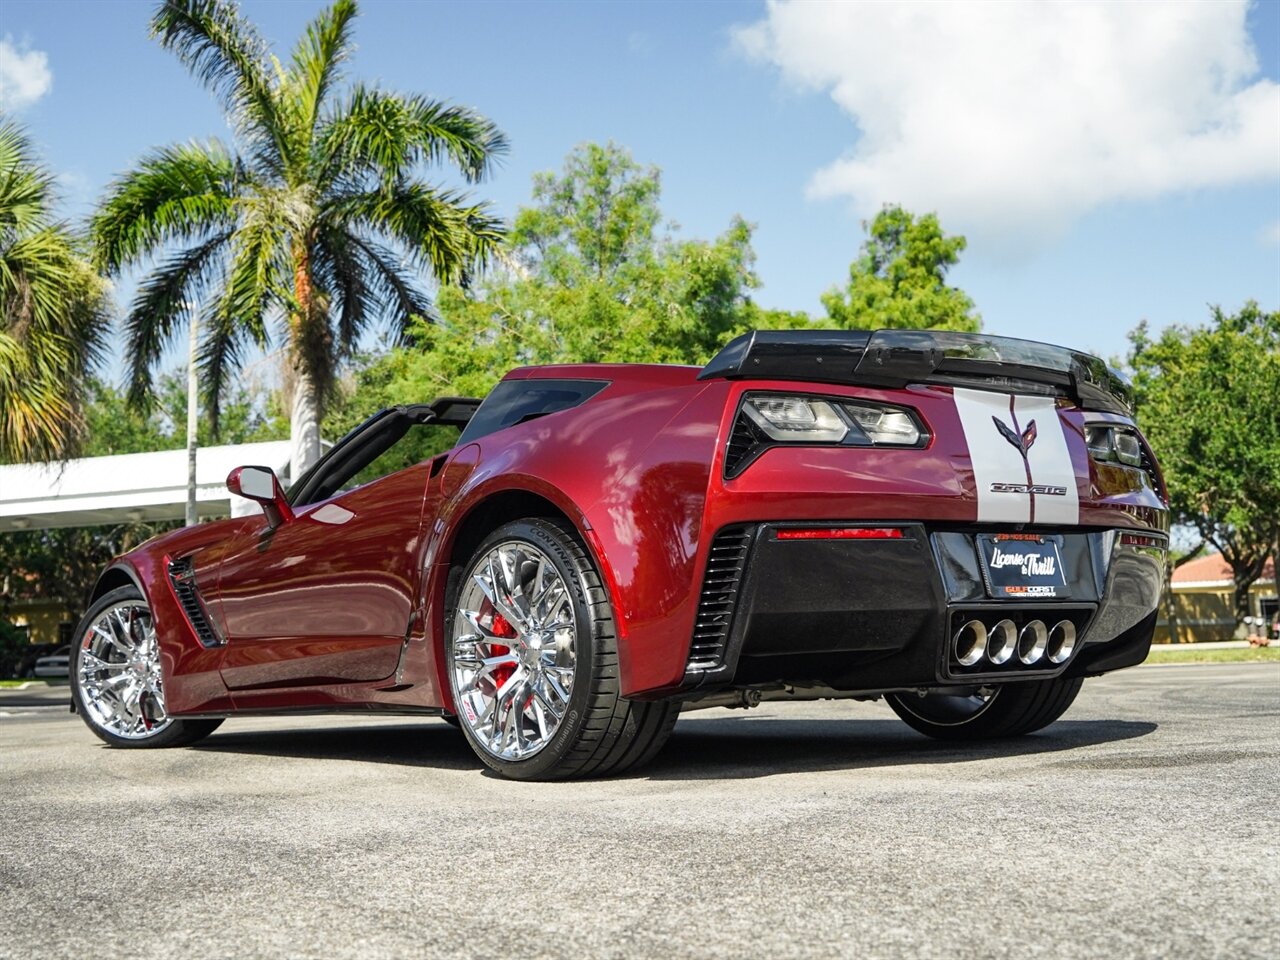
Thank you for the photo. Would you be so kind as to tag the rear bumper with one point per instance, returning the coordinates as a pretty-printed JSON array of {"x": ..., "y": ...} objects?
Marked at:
[{"x": 876, "y": 614}]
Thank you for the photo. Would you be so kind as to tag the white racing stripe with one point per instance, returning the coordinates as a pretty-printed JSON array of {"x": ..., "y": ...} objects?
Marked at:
[{"x": 998, "y": 460}]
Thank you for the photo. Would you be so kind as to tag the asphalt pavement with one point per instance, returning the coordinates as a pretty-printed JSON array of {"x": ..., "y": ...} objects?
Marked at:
[{"x": 1144, "y": 824}]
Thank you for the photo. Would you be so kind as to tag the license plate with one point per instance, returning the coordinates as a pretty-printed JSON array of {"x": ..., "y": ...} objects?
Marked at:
[{"x": 1021, "y": 566}]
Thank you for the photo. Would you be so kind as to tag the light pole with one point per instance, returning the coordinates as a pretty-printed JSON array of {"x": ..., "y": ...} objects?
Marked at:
[{"x": 193, "y": 419}]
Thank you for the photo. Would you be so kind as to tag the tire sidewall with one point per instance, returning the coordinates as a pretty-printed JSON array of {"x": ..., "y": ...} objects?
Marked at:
[{"x": 556, "y": 544}]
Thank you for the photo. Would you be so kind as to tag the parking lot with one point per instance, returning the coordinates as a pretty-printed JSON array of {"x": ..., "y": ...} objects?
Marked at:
[{"x": 1143, "y": 824}]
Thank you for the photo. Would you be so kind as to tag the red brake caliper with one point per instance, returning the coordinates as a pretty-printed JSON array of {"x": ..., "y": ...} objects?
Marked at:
[{"x": 499, "y": 627}]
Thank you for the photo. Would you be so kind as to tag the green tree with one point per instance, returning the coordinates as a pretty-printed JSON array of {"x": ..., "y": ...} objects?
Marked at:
[
  {"x": 318, "y": 215},
  {"x": 900, "y": 278},
  {"x": 54, "y": 312},
  {"x": 1207, "y": 403},
  {"x": 589, "y": 277}
]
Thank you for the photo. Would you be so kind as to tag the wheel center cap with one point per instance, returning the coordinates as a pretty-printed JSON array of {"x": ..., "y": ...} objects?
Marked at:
[{"x": 531, "y": 649}]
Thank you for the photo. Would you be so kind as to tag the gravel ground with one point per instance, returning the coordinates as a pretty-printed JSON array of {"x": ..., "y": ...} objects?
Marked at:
[{"x": 1142, "y": 825}]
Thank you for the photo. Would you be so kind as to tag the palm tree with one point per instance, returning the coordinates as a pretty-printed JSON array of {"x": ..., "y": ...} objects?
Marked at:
[
  {"x": 53, "y": 312},
  {"x": 317, "y": 217}
]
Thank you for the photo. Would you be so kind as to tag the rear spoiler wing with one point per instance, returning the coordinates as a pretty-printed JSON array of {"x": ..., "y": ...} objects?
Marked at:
[{"x": 895, "y": 358}]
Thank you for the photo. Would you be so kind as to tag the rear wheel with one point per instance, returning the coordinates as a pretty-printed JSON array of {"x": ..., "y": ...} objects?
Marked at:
[
  {"x": 533, "y": 661},
  {"x": 116, "y": 683},
  {"x": 1006, "y": 710}
]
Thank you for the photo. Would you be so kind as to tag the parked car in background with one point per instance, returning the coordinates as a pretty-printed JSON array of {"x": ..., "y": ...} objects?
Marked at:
[{"x": 54, "y": 665}]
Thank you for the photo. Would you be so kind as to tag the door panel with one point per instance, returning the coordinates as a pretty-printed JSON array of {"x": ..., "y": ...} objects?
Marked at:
[{"x": 328, "y": 597}]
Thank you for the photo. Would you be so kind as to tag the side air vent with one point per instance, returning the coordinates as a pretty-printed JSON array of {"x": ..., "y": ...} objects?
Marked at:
[
  {"x": 745, "y": 442},
  {"x": 182, "y": 576},
  {"x": 720, "y": 585}
]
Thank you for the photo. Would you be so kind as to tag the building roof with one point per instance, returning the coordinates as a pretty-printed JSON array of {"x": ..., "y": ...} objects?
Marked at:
[
  {"x": 1212, "y": 570},
  {"x": 131, "y": 486}
]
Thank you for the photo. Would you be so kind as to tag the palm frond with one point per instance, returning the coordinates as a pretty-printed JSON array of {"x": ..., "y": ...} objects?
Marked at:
[
  {"x": 224, "y": 51},
  {"x": 254, "y": 286},
  {"x": 317, "y": 61},
  {"x": 53, "y": 312},
  {"x": 26, "y": 187},
  {"x": 340, "y": 270},
  {"x": 388, "y": 135},
  {"x": 440, "y": 228},
  {"x": 372, "y": 281},
  {"x": 177, "y": 194},
  {"x": 164, "y": 301}
]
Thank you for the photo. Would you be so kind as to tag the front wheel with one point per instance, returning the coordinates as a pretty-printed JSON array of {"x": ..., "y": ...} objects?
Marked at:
[
  {"x": 116, "y": 685},
  {"x": 533, "y": 660},
  {"x": 1005, "y": 710}
]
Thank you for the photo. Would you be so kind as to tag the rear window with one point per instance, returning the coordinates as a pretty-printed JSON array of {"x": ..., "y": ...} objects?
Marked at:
[{"x": 515, "y": 401}]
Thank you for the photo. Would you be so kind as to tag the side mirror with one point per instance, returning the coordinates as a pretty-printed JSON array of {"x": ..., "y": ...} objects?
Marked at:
[{"x": 260, "y": 484}]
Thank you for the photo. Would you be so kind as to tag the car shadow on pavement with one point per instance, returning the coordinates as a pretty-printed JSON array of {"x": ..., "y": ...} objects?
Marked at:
[
  {"x": 424, "y": 743},
  {"x": 700, "y": 749},
  {"x": 740, "y": 747}
]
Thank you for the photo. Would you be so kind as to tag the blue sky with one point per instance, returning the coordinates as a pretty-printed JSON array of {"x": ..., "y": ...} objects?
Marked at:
[{"x": 1101, "y": 167}]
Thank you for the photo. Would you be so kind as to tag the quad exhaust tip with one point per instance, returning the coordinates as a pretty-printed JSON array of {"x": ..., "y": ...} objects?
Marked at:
[
  {"x": 1002, "y": 642},
  {"x": 1032, "y": 642},
  {"x": 999, "y": 643},
  {"x": 970, "y": 642},
  {"x": 1062, "y": 641}
]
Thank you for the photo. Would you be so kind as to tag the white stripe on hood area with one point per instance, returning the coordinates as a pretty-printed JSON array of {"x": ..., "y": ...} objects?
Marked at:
[{"x": 1019, "y": 441}]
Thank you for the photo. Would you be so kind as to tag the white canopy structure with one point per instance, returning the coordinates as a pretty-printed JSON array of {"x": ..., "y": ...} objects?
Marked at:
[{"x": 133, "y": 486}]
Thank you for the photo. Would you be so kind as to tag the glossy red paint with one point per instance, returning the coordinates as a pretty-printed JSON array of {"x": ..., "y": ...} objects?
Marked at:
[
  {"x": 327, "y": 597},
  {"x": 344, "y": 604}
]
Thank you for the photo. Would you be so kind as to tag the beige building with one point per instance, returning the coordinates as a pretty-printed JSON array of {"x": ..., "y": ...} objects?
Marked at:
[{"x": 1203, "y": 590}]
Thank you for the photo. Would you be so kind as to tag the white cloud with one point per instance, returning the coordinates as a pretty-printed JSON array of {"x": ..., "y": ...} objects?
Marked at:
[
  {"x": 25, "y": 76},
  {"x": 1270, "y": 234},
  {"x": 1013, "y": 119}
]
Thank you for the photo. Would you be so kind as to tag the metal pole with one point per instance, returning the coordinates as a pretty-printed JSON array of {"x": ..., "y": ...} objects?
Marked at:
[{"x": 193, "y": 420}]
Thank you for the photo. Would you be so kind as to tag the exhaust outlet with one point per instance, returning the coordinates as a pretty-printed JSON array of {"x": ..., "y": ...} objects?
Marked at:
[
  {"x": 1032, "y": 642},
  {"x": 1002, "y": 642},
  {"x": 1062, "y": 641},
  {"x": 969, "y": 642}
]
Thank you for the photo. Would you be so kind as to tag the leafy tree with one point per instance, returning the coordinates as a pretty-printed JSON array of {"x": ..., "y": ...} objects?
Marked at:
[
  {"x": 53, "y": 313},
  {"x": 249, "y": 414},
  {"x": 900, "y": 278},
  {"x": 589, "y": 278},
  {"x": 1207, "y": 403},
  {"x": 318, "y": 214}
]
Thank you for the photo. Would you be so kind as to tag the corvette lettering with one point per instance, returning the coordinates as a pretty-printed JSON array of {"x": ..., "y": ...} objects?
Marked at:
[{"x": 1042, "y": 489}]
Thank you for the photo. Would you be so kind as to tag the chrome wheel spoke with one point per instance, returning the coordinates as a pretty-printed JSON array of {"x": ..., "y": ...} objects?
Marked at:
[{"x": 90, "y": 662}]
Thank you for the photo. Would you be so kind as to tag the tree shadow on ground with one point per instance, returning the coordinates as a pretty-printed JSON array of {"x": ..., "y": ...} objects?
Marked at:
[{"x": 733, "y": 747}]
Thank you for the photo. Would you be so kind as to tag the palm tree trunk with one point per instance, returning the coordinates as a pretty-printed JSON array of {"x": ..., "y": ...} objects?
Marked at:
[
  {"x": 304, "y": 423},
  {"x": 304, "y": 413}
]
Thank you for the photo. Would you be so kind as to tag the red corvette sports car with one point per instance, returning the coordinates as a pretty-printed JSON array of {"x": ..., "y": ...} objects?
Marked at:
[{"x": 965, "y": 525}]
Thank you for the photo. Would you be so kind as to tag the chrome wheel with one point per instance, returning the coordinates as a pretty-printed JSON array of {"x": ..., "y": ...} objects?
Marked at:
[
  {"x": 118, "y": 670},
  {"x": 513, "y": 658}
]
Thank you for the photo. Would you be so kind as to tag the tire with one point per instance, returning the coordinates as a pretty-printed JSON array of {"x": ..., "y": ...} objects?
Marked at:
[
  {"x": 117, "y": 619},
  {"x": 1013, "y": 709},
  {"x": 598, "y": 732}
]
